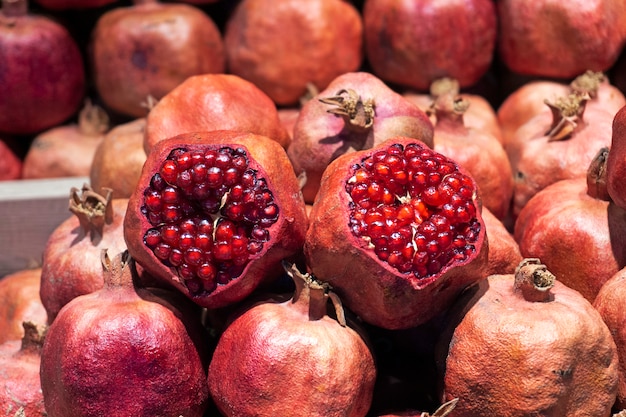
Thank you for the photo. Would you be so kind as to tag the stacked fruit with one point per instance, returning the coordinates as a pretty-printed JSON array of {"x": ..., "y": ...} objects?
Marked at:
[{"x": 318, "y": 207}]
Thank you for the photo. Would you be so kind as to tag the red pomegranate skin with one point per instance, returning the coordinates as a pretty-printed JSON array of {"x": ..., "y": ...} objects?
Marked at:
[
  {"x": 371, "y": 287},
  {"x": 42, "y": 77},
  {"x": 616, "y": 162},
  {"x": 10, "y": 160},
  {"x": 412, "y": 43},
  {"x": 214, "y": 102},
  {"x": 148, "y": 49},
  {"x": 554, "y": 39},
  {"x": 504, "y": 251},
  {"x": 19, "y": 291},
  {"x": 319, "y": 136},
  {"x": 20, "y": 361},
  {"x": 286, "y": 234},
  {"x": 124, "y": 351}
]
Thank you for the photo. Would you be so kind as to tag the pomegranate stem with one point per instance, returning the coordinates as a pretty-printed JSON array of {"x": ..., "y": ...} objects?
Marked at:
[
  {"x": 533, "y": 280},
  {"x": 358, "y": 113},
  {"x": 92, "y": 209}
]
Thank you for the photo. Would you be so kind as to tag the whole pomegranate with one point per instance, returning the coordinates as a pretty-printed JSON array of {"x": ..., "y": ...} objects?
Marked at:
[
  {"x": 280, "y": 358},
  {"x": 214, "y": 102},
  {"x": 404, "y": 224},
  {"x": 70, "y": 265},
  {"x": 556, "y": 145},
  {"x": 610, "y": 304},
  {"x": 318, "y": 40},
  {"x": 123, "y": 351},
  {"x": 553, "y": 39},
  {"x": 67, "y": 150},
  {"x": 572, "y": 221},
  {"x": 43, "y": 75},
  {"x": 19, "y": 291},
  {"x": 119, "y": 159},
  {"x": 616, "y": 162},
  {"x": 11, "y": 159},
  {"x": 20, "y": 361},
  {"x": 405, "y": 42},
  {"x": 214, "y": 214},
  {"x": 148, "y": 49},
  {"x": 356, "y": 111},
  {"x": 525, "y": 344}
]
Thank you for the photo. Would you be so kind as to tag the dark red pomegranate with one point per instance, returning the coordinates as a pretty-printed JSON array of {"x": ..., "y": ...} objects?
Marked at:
[
  {"x": 525, "y": 344},
  {"x": 413, "y": 43},
  {"x": 215, "y": 213},
  {"x": 148, "y": 49},
  {"x": 214, "y": 102},
  {"x": 71, "y": 265},
  {"x": 20, "y": 361},
  {"x": 300, "y": 42},
  {"x": 355, "y": 112},
  {"x": 43, "y": 76},
  {"x": 571, "y": 222},
  {"x": 560, "y": 39},
  {"x": 123, "y": 351},
  {"x": 11, "y": 159},
  {"x": 19, "y": 291},
  {"x": 616, "y": 162},
  {"x": 397, "y": 231},
  {"x": 286, "y": 358}
]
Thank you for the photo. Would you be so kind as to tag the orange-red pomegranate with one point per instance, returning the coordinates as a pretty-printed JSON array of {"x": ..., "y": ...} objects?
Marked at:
[
  {"x": 397, "y": 231},
  {"x": 525, "y": 344},
  {"x": 215, "y": 213}
]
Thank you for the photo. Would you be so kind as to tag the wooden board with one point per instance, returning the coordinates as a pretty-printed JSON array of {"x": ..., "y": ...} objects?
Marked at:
[{"x": 29, "y": 211}]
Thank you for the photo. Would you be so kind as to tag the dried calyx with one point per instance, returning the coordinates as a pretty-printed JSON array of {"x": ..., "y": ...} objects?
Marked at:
[
  {"x": 567, "y": 115},
  {"x": 358, "y": 112}
]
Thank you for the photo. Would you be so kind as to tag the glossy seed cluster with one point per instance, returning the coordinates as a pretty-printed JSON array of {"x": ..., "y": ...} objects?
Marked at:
[
  {"x": 414, "y": 209},
  {"x": 210, "y": 212}
]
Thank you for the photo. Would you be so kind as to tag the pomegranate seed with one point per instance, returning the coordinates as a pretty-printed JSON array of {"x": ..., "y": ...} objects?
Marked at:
[
  {"x": 162, "y": 251},
  {"x": 214, "y": 176},
  {"x": 193, "y": 256},
  {"x": 183, "y": 161},
  {"x": 170, "y": 234},
  {"x": 152, "y": 238},
  {"x": 199, "y": 172},
  {"x": 169, "y": 195},
  {"x": 222, "y": 251},
  {"x": 176, "y": 257},
  {"x": 206, "y": 272},
  {"x": 186, "y": 241},
  {"x": 169, "y": 171}
]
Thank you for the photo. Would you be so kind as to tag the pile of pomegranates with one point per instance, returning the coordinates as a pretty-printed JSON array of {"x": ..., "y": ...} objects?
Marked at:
[{"x": 327, "y": 208}]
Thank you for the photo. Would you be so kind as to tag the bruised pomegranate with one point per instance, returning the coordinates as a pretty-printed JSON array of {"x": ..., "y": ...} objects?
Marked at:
[
  {"x": 43, "y": 76},
  {"x": 20, "y": 361},
  {"x": 525, "y": 344},
  {"x": 554, "y": 39},
  {"x": 356, "y": 111},
  {"x": 403, "y": 223},
  {"x": 119, "y": 158},
  {"x": 413, "y": 43},
  {"x": 19, "y": 291},
  {"x": 123, "y": 351},
  {"x": 67, "y": 150},
  {"x": 215, "y": 213},
  {"x": 572, "y": 221},
  {"x": 616, "y": 162},
  {"x": 148, "y": 49},
  {"x": 279, "y": 358},
  {"x": 214, "y": 102},
  {"x": 299, "y": 42},
  {"x": 71, "y": 265}
]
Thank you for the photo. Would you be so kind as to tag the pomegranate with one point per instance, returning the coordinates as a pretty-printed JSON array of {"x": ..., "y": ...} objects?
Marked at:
[
  {"x": 215, "y": 213},
  {"x": 616, "y": 162},
  {"x": 43, "y": 76},
  {"x": 572, "y": 221},
  {"x": 525, "y": 344},
  {"x": 318, "y": 40},
  {"x": 553, "y": 39},
  {"x": 71, "y": 256},
  {"x": 528, "y": 100},
  {"x": 11, "y": 159},
  {"x": 610, "y": 304},
  {"x": 356, "y": 111},
  {"x": 557, "y": 145},
  {"x": 67, "y": 150},
  {"x": 479, "y": 115},
  {"x": 148, "y": 49},
  {"x": 414, "y": 55},
  {"x": 279, "y": 358},
  {"x": 19, "y": 291},
  {"x": 214, "y": 102},
  {"x": 479, "y": 152},
  {"x": 119, "y": 158},
  {"x": 123, "y": 351},
  {"x": 20, "y": 361},
  {"x": 407, "y": 220}
]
